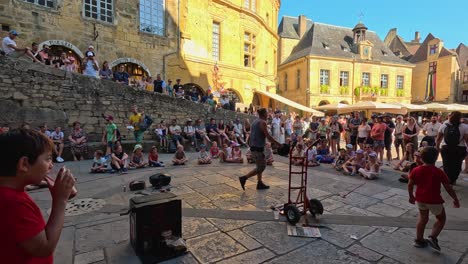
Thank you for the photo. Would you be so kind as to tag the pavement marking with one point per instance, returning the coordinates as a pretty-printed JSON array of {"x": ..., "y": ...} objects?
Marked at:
[{"x": 325, "y": 219}]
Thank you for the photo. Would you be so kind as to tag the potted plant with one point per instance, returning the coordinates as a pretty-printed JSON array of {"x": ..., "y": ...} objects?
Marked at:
[
  {"x": 357, "y": 91},
  {"x": 324, "y": 89}
]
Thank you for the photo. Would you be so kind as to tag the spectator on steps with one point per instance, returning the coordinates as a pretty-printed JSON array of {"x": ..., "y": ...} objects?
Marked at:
[
  {"x": 78, "y": 141},
  {"x": 57, "y": 137},
  {"x": 11, "y": 49},
  {"x": 121, "y": 76},
  {"x": 90, "y": 67},
  {"x": 105, "y": 72},
  {"x": 159, "y": 85}
]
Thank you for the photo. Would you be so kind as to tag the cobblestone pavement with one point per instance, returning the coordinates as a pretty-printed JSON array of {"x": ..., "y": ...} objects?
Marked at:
[{"x": 374, "y": 223}]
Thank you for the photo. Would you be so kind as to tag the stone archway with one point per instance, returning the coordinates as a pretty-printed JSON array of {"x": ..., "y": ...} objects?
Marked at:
[
  {"x": 233, "y": 94},
  {"x": 63, "y": 43},
  {"x": 323, "y": 102},
  {"x": 129, "y": 61},
  {"x": 256, "y": 100},
  {"x": 190, "y": 86}
]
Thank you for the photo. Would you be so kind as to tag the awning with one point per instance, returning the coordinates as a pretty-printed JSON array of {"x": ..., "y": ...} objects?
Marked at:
[
  {"x": 411, "y": 107},
  {"x": 332, "y": 107},
  {"x": 290, "y": 103},
  {"x": 370, "y": 107}
]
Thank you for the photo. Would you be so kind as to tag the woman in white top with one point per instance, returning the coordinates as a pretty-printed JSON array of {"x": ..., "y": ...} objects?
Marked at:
[{"x": 363, "y": 133}]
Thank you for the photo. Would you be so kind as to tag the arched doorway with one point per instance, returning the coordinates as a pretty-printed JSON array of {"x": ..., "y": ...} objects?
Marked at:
[
  {"x": 256, "y": 101},
  {"x": 58, "y": 47},
  {"x": 344, "y": 102},
  {"x": 323, "y": 102},
  {"x": 191, "y": 86},
  {"x": 232, "y": 94},
  {"x": 135, "y": 68}
]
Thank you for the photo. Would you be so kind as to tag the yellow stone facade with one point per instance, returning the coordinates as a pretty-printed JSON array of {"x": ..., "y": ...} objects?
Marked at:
[
  {"x": 306, "y": 50},
  {"x": 308, "y": 92},
  {"x": 196, "y": 61},
  {"x": 446, "y": 77}
]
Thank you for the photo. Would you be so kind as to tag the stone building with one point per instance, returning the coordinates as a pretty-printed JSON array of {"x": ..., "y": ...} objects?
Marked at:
[
  {"x": 138, "y": 34},
  {"x": 436, "y": 75},
  {"x": 399, "y": 46},
  {"x": 322, "y": 64},
  {"x": 230, "y": 46}
]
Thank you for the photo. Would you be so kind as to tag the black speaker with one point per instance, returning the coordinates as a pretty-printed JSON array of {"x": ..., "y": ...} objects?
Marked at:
[{"x": 155, "y": 222}]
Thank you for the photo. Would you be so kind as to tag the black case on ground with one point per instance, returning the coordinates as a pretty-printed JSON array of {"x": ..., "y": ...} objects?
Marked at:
[{"x": 150, "y": 216}]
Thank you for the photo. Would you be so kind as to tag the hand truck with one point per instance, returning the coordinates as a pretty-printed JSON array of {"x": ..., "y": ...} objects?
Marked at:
[{"x": 294, "y": 209}]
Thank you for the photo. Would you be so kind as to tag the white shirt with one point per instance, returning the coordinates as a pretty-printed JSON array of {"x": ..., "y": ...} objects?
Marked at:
[
  {"x": 288, "y": 124},
  {"x": 189, "y": 129},
  {"x": 5, "y": 45},
  {"x": 432, "y": 129},
  {"x": 224, "y": 101},
  {"x": 463, "y": 131},
  {"x": 238, "y": 128},
  {"x": 56, "y": 136},
  {"x": 363, "y": 132}
]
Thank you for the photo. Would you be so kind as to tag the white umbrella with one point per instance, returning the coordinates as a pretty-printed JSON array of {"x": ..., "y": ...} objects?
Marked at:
[
  {"x": 457, "y": 107},
  {"x": 436, "y": 107},
  {"x": 328, "y": 107},
  {"x": 411, "y": 107},
  {"x": 371, "y": 107}
]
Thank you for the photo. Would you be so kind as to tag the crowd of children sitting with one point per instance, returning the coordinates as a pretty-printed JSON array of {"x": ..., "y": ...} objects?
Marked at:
[{"x": 362, "y": 161}]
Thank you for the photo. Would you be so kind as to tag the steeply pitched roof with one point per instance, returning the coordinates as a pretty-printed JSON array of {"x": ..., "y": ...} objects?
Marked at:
[
  {"x": 334, "y": 41},
  {"x": 421, "y": 53},
  {"x": 289, "y": 27}
]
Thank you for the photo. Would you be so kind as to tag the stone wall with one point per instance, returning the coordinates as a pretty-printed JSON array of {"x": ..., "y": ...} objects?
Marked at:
[{"x": 38, "y": 94}]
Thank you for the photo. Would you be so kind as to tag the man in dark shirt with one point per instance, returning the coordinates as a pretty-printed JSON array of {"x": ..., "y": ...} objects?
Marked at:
[
  {"x": 177, "y": 86},
  {"x": 159, "y": 84},
  {"x": 388, "y": 136},
  {"x": 121, "y": 76},
  {"x": 353, "y": 124},
  {"x": 212, "y": 131}
]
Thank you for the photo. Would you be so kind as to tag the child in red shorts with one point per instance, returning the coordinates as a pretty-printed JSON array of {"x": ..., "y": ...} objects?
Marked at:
[
  {"x": 428, "y": 180},
  {"x": 26, "y": 158}
]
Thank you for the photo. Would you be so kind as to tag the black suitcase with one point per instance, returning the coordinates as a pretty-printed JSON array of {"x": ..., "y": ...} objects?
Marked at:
[{"x": 152, "y": 219}]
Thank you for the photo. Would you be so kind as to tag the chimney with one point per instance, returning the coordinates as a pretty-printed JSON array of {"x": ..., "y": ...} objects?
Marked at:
[
  {"x": 302, "y": 25},
  {"x": 417, "y": 37}
]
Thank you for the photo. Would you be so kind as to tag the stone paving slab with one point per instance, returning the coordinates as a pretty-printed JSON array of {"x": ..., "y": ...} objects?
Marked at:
[
  {"x": 273, "y": 235},
  {"x": 402, "y": 248},
  {"x": 193, "y": 227},
  {"x": 214, "y": 247},
  {"x": 251, "y": 257},
  {"x": 318, "y": 252},
  {"x": 362, "y": 252}
]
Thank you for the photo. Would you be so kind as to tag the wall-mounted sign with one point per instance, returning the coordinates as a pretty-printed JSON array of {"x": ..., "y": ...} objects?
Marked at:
[{"x": 63, "y": 43}]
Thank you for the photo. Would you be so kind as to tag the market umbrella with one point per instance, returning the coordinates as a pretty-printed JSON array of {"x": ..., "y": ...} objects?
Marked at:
[
  {"x": 411, "y": 107},
  {"x": 436, "y": 107},
  {"x": 330, "y": 107},
  {"x": 371, "y": 107},
  {"x": 457, "y": 107}
]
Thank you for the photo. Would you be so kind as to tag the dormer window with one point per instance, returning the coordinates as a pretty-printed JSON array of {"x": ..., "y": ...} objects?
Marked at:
[
  {"x": 325, "y": 45},
  {"x": 433, "y": 49}
]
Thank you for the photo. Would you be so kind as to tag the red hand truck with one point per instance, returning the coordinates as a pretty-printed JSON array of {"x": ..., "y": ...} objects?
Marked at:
[{"x": 294, "y": 209}]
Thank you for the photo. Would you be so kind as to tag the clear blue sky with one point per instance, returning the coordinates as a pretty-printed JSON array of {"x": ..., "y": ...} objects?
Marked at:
[{"x": 446, "y": 19}]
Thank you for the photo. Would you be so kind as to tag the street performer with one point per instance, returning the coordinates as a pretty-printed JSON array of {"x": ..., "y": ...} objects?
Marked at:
[{"x": 258, "y": 134}]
